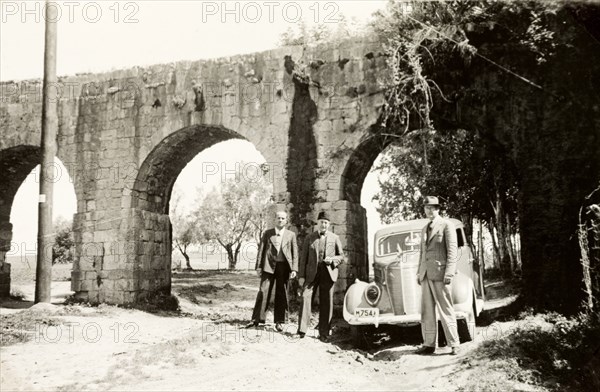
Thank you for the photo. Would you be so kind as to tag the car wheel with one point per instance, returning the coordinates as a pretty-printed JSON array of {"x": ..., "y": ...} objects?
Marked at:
[
  {"x": 466, "y": 327},
  {"x": 361, "y": 337}
]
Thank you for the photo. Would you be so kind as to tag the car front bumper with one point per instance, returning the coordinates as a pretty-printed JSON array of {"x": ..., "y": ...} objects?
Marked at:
[{"x": 390, "y": 319}]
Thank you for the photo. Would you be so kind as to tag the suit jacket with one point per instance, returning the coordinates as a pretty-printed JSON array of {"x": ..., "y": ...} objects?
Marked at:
[
  {"x": 310, "y": 257},
  {"x": 439, "y": 252},
  {"x": 289, "y": 247}
]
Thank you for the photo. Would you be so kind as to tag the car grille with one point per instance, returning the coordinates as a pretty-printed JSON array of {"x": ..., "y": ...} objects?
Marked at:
[{"x": 402, "y": 285}]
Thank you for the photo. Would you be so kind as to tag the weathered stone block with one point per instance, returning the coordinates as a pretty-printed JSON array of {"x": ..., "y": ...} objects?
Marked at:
[
  {"x": 147, "y": 235},
  {"x": 111, "y": 262},
  {"x": 87, "y": 236},
  {"x": 85, "y": 285},
  {"x": 124, "y": 285},
  {"x": 342, "y": 205},
  {"x": 106, "y": 285},
  {"x": 86, "y": 263}
]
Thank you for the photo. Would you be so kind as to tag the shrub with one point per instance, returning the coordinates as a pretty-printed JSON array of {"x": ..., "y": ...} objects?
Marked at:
[
  {"x": 549, "y": 350},
  {"x": 62, "y": 251},
  {"x": 156, "y": 302}
]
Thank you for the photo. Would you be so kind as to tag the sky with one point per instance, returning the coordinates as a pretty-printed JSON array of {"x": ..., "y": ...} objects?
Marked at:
[{"x": 97, "y": 36}]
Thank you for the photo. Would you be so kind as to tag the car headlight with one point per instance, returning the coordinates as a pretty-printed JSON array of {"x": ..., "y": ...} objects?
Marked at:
[{"x": 372, "y": 294}]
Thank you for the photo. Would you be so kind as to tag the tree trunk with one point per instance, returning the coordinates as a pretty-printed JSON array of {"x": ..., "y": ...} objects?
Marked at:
[
  {"x": 183, "y": 251},
  {"x": 236, "y": 254},
  {"x": 496, "y": 260},
  {"x": 505, "y": 265},
  {"x": 231, "y": 256},
  {"x": 595, "y": 258},
  {"x": 589, "y": 243},
  {"x": 509, "y": 246},
  {"x": 187, "y": 260},
  {"x": 468, "y": 222},
  {"x": 480, "y": 245}
]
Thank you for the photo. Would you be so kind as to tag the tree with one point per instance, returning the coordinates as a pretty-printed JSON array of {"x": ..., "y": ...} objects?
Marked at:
[
  {"x": 185, "y": 228},
  {"x": 64, "y": 244},
  {"x": 456, "y": 166},
  {"x": 522, "y": 76},
  {"x": 315, "y": 34},
  {"x": 234, "y": 213}
]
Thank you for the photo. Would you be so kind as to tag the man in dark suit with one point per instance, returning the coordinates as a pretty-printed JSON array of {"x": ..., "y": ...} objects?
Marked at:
[
  {"x": 320, "y": 257},
  {"x": 437, "y": 267},
  {"x": 277, "y": 262}
]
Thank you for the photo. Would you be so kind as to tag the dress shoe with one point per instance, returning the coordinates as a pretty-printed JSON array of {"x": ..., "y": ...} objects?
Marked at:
[
  {"x": 279, "y": 327},
  {"x": 253, "y": 324},
  {"x": 301, "y": 335},
  {"x": 455, "y": 351},
  {"x": 425, "y": 350},
  {"x": 324, "y": 339}
]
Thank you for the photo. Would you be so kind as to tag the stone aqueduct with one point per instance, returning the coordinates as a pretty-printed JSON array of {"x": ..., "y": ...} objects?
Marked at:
[{"x": 124, "y": 137}]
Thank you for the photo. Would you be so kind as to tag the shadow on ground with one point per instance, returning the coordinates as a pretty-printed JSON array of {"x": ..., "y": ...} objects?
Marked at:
[{"x": 15, "y": 303}]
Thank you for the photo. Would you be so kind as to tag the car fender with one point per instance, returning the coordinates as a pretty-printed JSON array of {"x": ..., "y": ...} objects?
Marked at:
[
  {"x": 355, "y": 298},
  {"x": 462, "y": 289},
  {"x": 462, "y": 294}
]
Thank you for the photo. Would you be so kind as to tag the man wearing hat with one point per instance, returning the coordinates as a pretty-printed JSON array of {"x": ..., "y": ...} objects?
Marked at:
[
  {"x": 321, "y": 254},
  {"x": 437, "y": 267}
]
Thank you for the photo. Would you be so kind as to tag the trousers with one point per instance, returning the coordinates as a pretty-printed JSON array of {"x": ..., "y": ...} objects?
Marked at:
[
  {"x": 280, "y": 278},
  {"x": 436, "y": 293},
  {"x": 326, "y": 287}
]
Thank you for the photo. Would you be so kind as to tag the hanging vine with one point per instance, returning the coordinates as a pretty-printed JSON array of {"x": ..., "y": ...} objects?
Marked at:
[{"x": 422, "y": 36}]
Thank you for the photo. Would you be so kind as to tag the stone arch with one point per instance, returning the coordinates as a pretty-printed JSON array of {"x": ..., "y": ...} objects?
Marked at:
[
  {"x": 360, "y": 162},
  {"x": 353, "y": 176},
  {"x": 130, "y": 257},
  {"x": 152, "y": 188},
  {"x": 150, "y": 197},
  {"x": 16, "y": 163}
]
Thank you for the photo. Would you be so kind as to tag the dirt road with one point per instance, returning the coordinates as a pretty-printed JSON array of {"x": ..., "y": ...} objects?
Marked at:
[{"x": 206, "y": 348}]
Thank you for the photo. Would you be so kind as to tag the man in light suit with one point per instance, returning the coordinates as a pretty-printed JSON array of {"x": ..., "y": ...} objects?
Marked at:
[
  {"x": 277, "y": 262},
  {"x": 437, "y": 267},
  {"x": 321, "y": 255}
]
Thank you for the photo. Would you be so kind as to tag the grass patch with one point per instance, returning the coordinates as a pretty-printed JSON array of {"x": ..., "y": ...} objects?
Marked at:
[
  {"x": 192, "y": 293},
  {"x": 20, "y": 327},
  {"x": 546, "y": 350},
  {"x": 152, "y": 303},
  {"x": 157, "y": 302}
]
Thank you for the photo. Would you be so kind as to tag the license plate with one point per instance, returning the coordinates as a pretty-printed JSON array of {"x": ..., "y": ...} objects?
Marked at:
[{"x": 366, "y": 312}]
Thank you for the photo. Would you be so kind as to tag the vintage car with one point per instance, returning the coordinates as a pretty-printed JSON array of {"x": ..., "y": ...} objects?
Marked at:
[{"x": 394, "y": 297}]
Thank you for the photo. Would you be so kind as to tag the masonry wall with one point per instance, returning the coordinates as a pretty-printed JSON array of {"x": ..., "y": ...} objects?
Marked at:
[{"x": 126, "y": 135}]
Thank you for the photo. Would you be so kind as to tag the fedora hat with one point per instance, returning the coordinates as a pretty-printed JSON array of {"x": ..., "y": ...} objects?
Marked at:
[
  {"x": 323, "y": 215},
  {"x": 431, "y": 201}
]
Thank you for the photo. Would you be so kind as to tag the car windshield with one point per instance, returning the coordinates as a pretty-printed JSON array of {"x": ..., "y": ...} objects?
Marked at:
[{"x": 405, "y": 242}]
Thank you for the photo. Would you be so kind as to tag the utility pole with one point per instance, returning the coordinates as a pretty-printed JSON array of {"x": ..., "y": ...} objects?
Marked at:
[{"x": 45, "y": 236}]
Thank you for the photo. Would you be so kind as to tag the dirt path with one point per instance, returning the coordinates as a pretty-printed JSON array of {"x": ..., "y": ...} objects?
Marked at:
[{"x": 109, "y": 348}]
